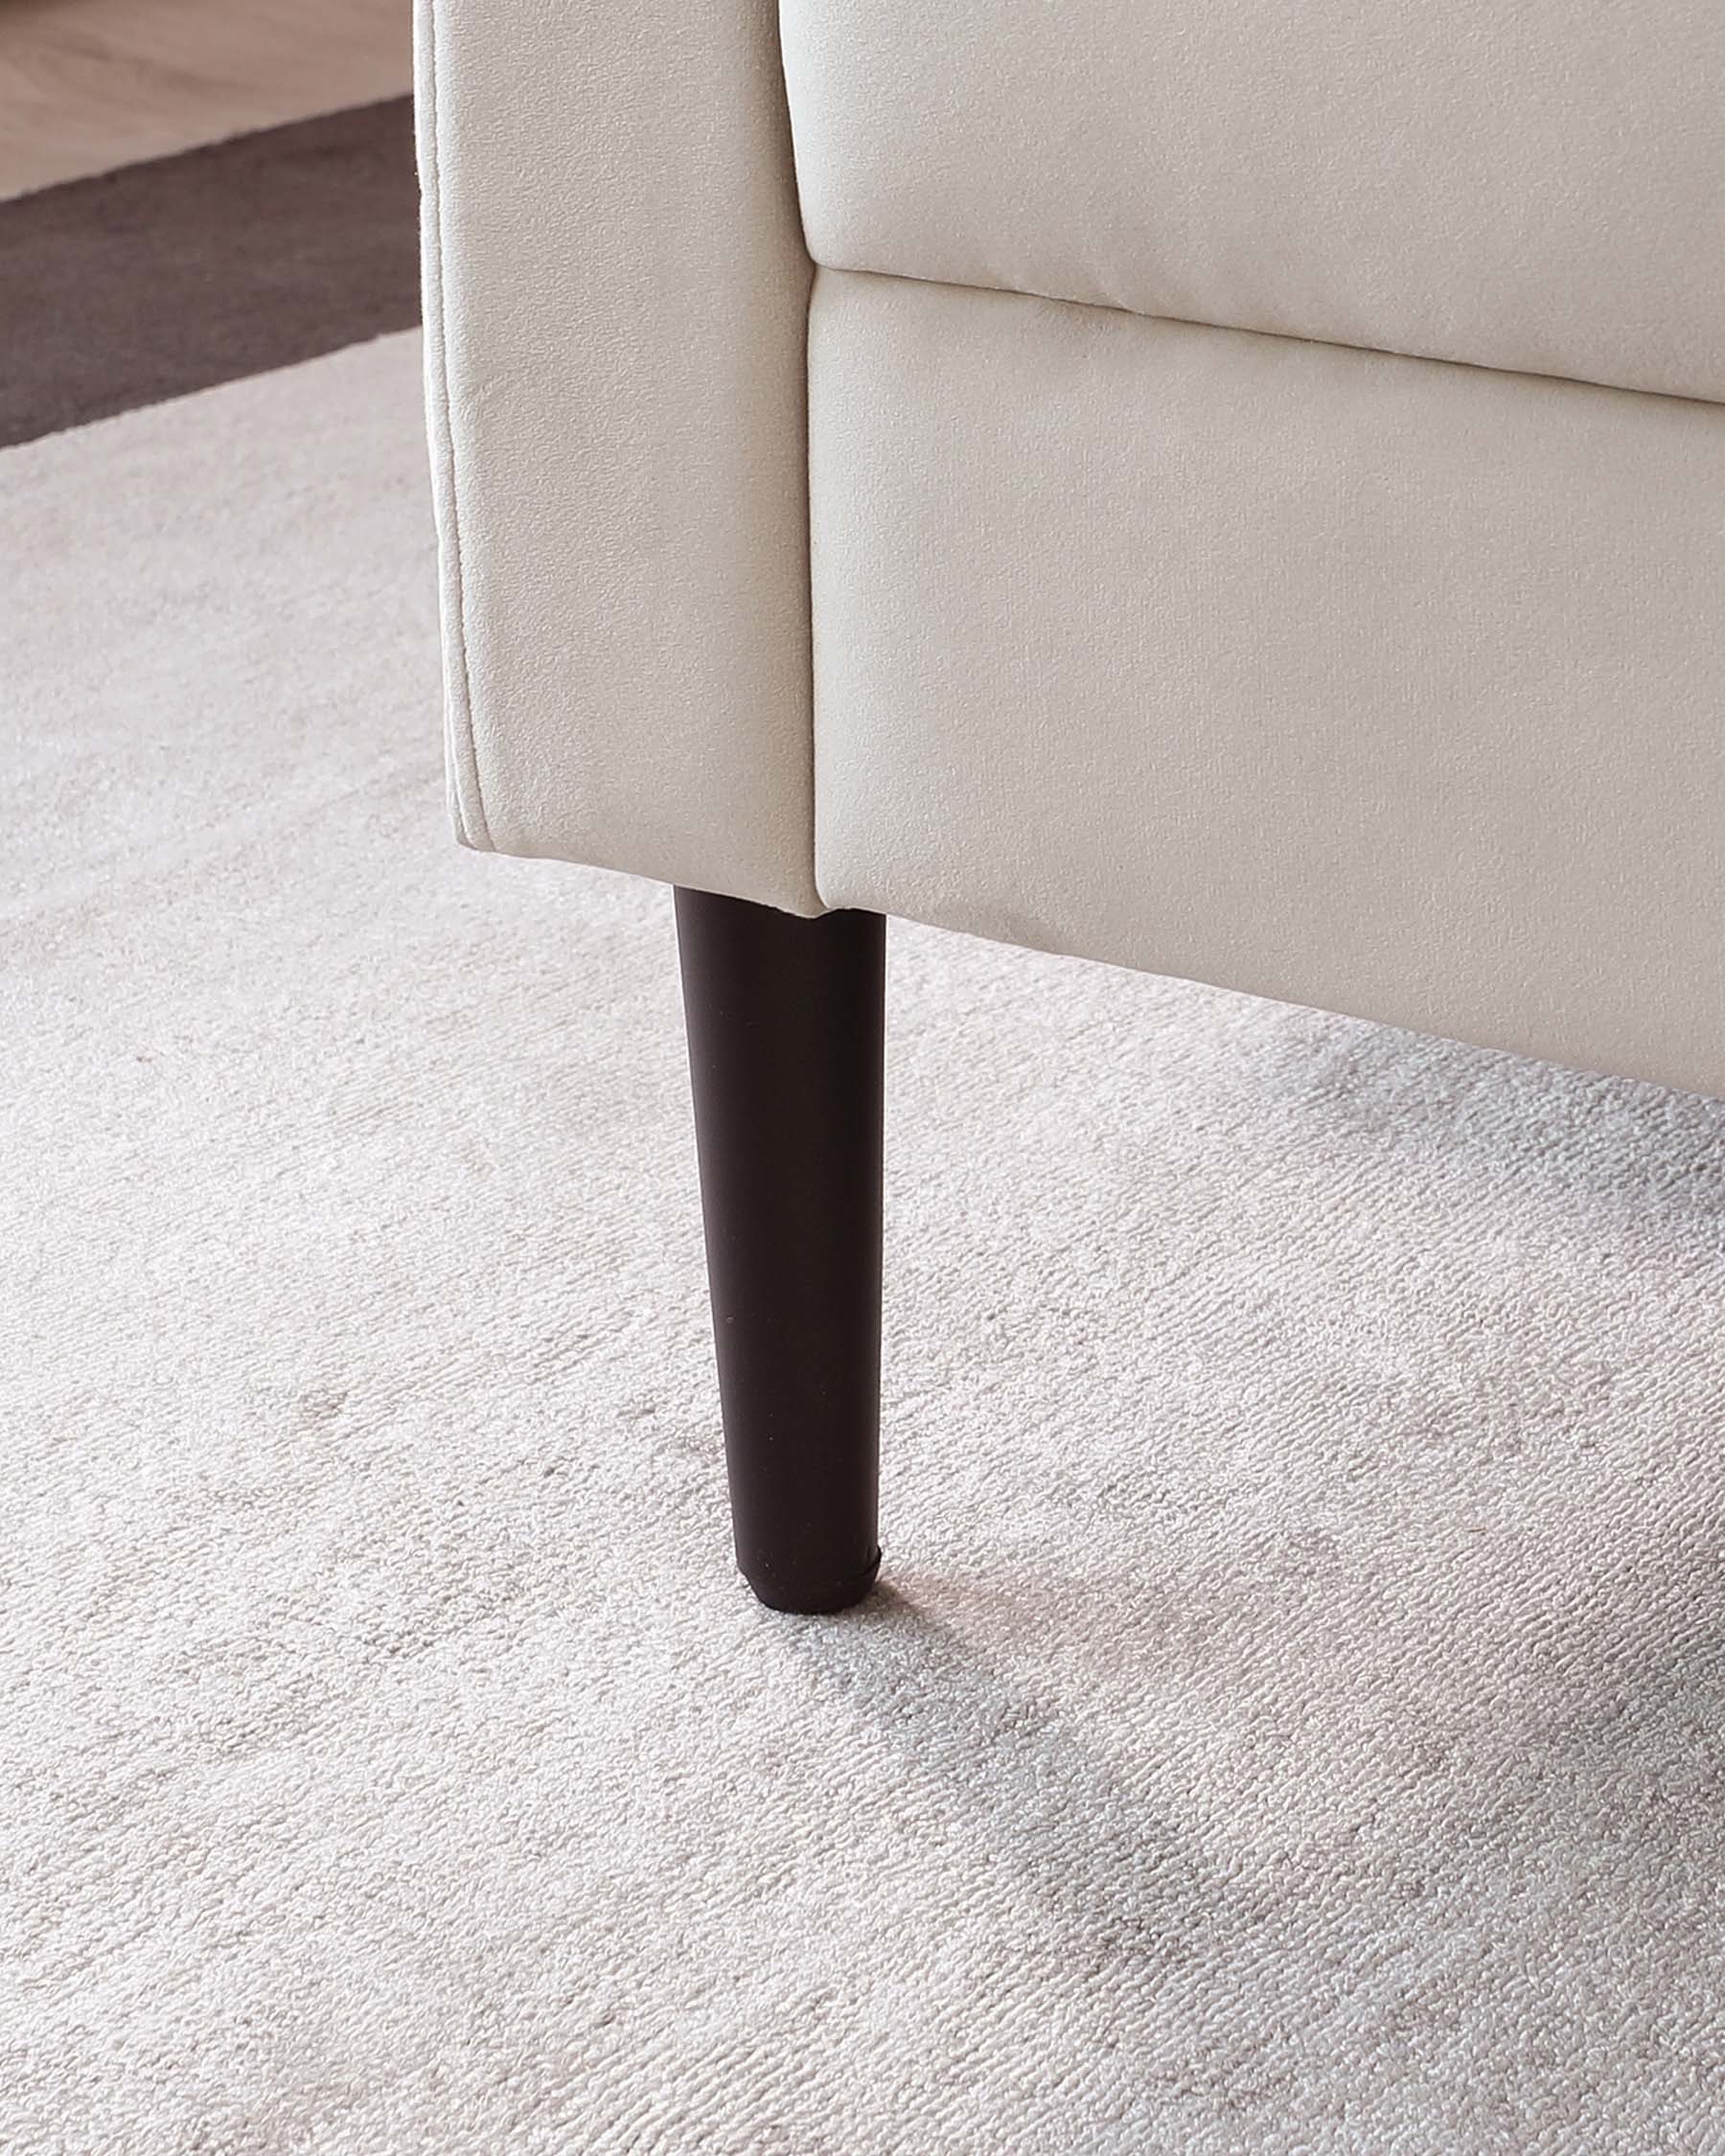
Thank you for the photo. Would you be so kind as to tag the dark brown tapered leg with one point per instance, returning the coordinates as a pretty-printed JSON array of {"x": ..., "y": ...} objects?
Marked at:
[{"x": 786, "y": 1025}]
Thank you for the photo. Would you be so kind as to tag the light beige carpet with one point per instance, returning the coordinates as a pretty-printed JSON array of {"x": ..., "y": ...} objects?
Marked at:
[{"x": 1294, "y": 1720}]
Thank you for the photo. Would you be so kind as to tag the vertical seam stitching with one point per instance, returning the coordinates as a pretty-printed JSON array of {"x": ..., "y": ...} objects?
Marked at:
[
  {"x": 808, "y": 574},
  {"x": 470, "y": 798}
]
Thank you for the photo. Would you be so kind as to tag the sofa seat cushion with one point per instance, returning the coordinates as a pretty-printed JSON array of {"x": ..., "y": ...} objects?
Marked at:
[{"x": 1525, "y": 184}]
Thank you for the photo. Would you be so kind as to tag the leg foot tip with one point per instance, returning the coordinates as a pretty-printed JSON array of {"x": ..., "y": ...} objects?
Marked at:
[{"x": 815, "y": 1598}]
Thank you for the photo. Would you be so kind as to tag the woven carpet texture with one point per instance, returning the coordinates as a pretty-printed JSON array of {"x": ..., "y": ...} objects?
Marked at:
[{"x": 1294, "y": 1720}]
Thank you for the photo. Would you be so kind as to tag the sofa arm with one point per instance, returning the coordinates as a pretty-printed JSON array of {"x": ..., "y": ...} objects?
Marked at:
[{"x": 617, "y": 306}]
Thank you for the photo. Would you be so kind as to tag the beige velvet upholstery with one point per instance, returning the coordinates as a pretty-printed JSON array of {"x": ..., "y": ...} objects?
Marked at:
[
  {"x": 1534, "y": 183},
  {"x": 1377, "y": 683},
  {"x": 616, "y": 296},
  {"x": 1392, "y": 684}
]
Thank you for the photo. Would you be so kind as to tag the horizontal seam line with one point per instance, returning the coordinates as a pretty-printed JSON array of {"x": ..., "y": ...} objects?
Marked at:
[{"x": 1276, "y": 336}]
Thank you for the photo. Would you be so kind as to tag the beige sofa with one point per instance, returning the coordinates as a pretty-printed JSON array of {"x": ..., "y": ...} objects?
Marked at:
[{"x": 1233, "y": 488}]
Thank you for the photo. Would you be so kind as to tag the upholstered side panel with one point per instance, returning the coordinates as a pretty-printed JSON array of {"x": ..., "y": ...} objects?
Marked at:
[
  {"x": 1534, "y": 184},
  {"x": 616, "y": 296},
  {"x": 1383, "y": 686}
]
